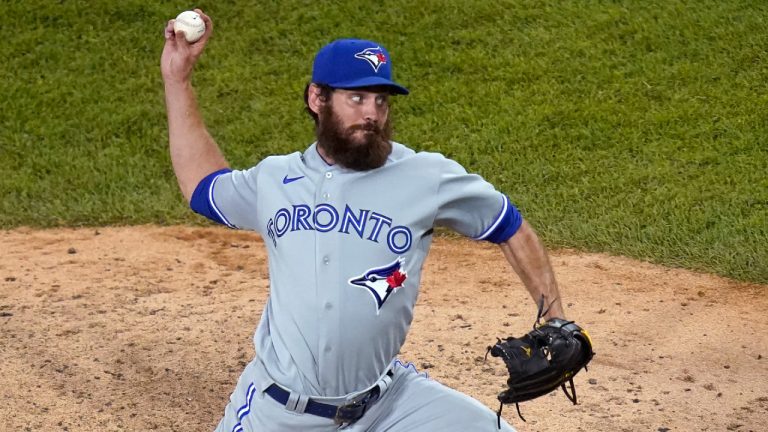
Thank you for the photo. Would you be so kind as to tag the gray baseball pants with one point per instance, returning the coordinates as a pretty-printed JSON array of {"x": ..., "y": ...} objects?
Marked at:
[{"x": 411, "y": 402}]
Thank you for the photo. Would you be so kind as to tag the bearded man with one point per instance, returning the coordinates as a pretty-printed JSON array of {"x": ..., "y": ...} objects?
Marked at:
[{"x": 347, "y": 225}]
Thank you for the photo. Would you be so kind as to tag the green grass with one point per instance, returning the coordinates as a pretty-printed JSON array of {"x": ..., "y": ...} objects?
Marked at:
[{"x": 634, "y": 128}]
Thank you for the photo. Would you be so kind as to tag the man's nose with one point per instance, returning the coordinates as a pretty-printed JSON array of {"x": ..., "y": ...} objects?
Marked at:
[{"x": 371, "y": 112}]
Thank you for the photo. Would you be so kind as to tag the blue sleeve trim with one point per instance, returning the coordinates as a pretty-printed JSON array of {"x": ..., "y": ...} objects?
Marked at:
[
  {"x": 202, "y": 201},
  {"x": 506, "y": 225}
]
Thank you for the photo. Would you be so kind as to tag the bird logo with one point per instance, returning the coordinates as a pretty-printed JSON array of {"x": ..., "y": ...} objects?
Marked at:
[
  {"x": 381, "y": 282},
  {"x": 374, "y": 56}
]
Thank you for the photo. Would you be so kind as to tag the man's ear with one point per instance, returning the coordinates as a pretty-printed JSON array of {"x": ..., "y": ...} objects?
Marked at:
[{"x": 315, "y": 100}]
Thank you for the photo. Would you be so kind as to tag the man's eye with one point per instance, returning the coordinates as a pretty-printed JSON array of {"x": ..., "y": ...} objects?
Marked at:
[
  {"x": 357, "y": 98},
  {"x": 381, "y": 100}
]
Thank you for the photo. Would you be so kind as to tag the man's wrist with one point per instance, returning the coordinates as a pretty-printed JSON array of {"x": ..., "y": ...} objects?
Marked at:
[{"x": 177, "y": 83}]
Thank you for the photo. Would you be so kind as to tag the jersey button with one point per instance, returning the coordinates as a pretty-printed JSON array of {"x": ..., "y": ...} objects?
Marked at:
[
  {"x": 328, "y": 349},
  {"x": 328, "y": 306},
  {"x": 328, "y": 175},
  {"x": 326, "y": 195},
  {"x": 326, "y": 260}
]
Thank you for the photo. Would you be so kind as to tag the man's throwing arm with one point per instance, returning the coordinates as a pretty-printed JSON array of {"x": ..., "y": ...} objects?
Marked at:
[{"x": 194, "y": 153}]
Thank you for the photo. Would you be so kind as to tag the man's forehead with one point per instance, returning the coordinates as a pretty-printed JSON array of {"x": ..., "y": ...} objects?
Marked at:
[{"x": 370, "y": 89}]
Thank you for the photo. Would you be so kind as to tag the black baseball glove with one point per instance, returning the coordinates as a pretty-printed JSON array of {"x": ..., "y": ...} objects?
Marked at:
[{"x": 546, "y": 358}]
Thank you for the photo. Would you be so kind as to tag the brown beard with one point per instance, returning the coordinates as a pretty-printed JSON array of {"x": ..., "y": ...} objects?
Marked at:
[{"x": 338, "y": 143}]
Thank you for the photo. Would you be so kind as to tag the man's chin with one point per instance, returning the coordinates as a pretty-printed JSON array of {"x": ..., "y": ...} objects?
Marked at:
[{"x": 359, "y": 138}]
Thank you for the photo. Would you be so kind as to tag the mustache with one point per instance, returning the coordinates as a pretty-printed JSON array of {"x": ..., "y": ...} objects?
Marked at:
[{"x": 367, "y": 127}]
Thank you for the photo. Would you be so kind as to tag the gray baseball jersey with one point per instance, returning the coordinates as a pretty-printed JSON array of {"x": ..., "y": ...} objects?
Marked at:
[{"x": 346, "y": 250}]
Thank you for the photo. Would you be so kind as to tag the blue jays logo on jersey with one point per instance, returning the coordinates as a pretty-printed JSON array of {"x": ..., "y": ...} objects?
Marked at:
[
  {"x": 381, "y": 282},
  {"x": 374, "y": 56}
]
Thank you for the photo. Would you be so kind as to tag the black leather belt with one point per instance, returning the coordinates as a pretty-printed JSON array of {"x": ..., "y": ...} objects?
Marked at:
[{"x": 341, "y": 414}]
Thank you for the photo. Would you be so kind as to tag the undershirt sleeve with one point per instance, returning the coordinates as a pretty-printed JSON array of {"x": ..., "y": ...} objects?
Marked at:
[{"x": 202, "y": 201}]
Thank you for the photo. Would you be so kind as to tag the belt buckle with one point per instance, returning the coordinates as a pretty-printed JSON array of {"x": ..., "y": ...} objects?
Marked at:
[
  {"x": 350, "y": 412},
  {"x": 353, "y": 411}
]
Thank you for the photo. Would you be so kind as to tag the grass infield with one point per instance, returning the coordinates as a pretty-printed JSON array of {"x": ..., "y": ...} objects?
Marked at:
[{"x": 634, "y": 128}]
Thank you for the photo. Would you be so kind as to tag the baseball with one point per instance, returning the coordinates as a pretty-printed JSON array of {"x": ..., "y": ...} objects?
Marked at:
[{"x": 191, "y": 24}]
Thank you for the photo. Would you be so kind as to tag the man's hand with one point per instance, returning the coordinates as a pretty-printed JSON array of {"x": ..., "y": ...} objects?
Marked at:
[{"x": 179, "y": 56}]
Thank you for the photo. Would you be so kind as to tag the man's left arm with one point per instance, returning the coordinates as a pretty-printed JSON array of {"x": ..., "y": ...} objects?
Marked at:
[{"x": 528, "y": 257}]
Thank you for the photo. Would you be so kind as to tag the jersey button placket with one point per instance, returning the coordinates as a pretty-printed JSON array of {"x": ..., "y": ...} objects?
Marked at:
[{"x": 329, "y": 292}]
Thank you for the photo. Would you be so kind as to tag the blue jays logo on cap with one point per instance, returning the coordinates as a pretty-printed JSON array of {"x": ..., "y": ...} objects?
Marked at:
[
  {"x": 381, "y": 282},
  {"x": 374, "y": 56}
]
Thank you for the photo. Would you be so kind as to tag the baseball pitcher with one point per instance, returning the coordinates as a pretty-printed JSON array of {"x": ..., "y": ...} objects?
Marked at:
[{"x": 347, "y": 224}]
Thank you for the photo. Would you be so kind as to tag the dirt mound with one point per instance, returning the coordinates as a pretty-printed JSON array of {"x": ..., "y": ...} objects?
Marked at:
[{"x": 148, "y": 328}]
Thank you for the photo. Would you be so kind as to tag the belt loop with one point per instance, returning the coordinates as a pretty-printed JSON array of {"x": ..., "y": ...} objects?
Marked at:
[
  {"x": 384, "y": 383},
  {"x": 296, "y": 402}
]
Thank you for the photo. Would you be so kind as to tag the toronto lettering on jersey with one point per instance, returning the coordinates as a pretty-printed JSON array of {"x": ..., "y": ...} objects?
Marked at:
[{"x": 366, "y": 224}]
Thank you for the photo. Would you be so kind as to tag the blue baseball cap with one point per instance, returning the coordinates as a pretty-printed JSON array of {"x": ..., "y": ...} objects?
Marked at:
[{"x": 354, "y": 63}]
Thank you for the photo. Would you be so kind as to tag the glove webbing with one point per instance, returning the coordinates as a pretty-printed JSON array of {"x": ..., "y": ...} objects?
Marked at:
[{"x": 571, "y": 397}]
